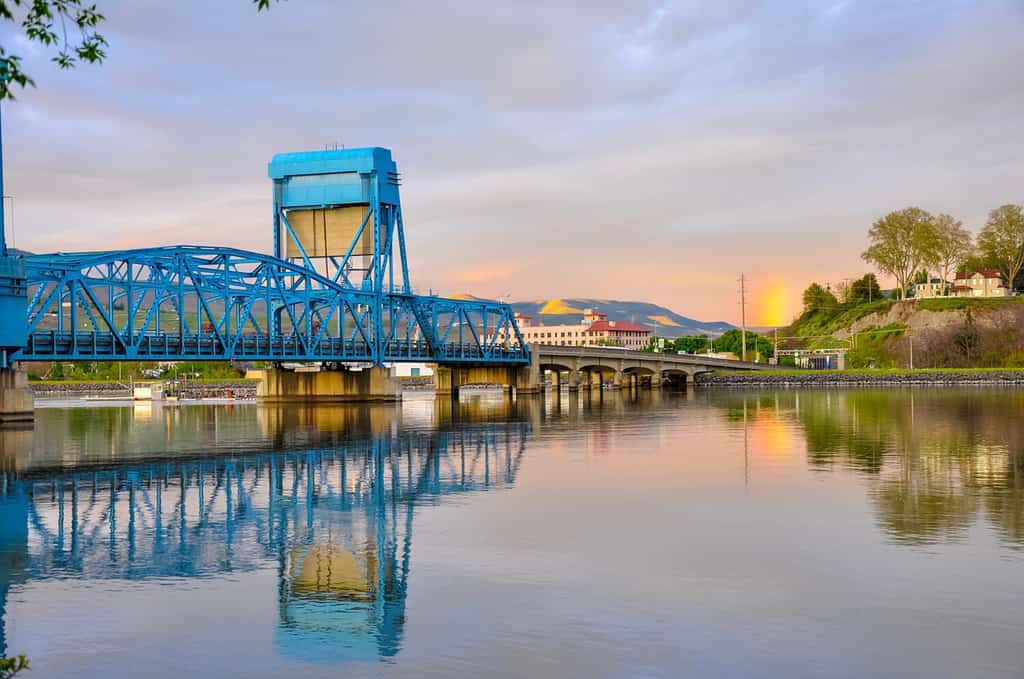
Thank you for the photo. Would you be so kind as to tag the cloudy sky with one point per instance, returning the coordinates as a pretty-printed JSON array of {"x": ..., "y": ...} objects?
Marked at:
[{"x": 629, "y": 150}]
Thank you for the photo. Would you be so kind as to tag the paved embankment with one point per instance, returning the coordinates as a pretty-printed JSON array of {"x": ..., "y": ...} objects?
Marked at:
[{"x": 881, "y": 378}]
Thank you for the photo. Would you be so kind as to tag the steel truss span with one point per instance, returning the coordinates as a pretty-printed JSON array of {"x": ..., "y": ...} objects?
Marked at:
[{"x": 199, "y": 303}]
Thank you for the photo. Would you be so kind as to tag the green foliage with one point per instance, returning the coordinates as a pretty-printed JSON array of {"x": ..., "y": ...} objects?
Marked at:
[
  {"x": 865, "y": 289},
  {"x": 123, "y": 371},
  {"x": 1015, "y": 360},
  {"x": 1001, "y": 240},
  {"x": 47, "y": 22},
  {"x": 817, "y": 297},
  {"x": 820, "y": 322},
  {"x": 68, "y": 27},
  {"x": 731, "y": 341},
  {"x": 902, "y": 242},
  {"x": 12, "y": 666},
  {"x": 871, "y": 350},
  {"x": 692, "y": 344},
  {"x": 952, "y": 246},
  {"x": 972, "y": 303},
  {"x": 57, "y": 371}
]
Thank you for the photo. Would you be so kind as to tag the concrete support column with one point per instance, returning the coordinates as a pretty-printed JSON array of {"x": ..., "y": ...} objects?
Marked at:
[
  {"x": 369, "y": 384},
  {"x": 617, "y": 380},
  {"x": 574, "y": 380},
  {"x": 443, "y": 380},
  {"x": 526, "y": 379},
  {"x": 656, "y": 380},
  {"x": 16, "y": 404}
]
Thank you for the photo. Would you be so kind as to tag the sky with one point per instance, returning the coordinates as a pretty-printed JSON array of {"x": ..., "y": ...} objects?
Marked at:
[{"x": 647, "y": 151}]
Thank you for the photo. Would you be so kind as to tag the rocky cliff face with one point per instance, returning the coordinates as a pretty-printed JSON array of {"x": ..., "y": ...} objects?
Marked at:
[{"x": 911, "y": 315}]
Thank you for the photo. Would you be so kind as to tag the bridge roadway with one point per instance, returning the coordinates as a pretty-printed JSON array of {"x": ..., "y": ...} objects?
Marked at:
[{"x": 587, "y": 367}]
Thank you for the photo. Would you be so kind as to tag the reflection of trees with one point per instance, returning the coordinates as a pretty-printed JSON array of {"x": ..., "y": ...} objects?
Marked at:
[{"x": 937, "y": 460}]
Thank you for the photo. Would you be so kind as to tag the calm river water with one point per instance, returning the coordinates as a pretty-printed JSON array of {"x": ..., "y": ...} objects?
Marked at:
[{"x": 715, "y": 533}]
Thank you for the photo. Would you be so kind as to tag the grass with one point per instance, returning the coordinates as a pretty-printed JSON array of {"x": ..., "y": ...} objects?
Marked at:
[
  {"x": 870, "y": 371},
  {"x": 960, "y": 303},
  {"x": 829, "y": 321}
]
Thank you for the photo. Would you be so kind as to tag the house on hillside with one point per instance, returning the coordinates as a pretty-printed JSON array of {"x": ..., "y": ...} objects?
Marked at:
[
  {"x": 935, "y": 287},
  {"x": 980, "y": 282},
  {"x": 594, "y": 330}
]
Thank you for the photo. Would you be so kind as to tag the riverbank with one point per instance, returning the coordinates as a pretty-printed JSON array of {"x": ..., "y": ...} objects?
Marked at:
[
  {"x": 864, "y": 378},
  {"x": 197, "y": 389}
]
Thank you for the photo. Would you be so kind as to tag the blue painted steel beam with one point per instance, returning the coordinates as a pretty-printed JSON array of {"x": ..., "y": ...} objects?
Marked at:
[{"x": 201, "y": 303}]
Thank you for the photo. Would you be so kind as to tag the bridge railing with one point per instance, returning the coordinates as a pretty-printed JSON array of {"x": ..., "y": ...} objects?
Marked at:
[{"x": 50, "y": 345}]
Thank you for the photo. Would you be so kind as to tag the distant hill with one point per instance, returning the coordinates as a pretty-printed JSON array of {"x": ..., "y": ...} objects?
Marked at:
[{"x": 662, "y": 321}]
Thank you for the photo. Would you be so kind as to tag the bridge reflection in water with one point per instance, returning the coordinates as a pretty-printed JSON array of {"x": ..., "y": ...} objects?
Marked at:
[{"x": 333, "y": 518}]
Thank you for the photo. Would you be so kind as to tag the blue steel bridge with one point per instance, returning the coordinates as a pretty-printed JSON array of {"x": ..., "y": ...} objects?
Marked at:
[{"x": 335, "y": 289}]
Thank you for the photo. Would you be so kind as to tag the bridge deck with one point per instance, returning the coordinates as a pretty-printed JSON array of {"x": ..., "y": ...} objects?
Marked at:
[
  {"x": 551, "y": 353},
  {"x": 107, "y": 346}
]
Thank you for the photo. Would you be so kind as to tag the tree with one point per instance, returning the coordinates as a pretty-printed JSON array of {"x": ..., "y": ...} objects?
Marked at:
[
  {"x": 951, "y": 247},
  {"x": 817, "y": 297},
  {"x": 49, "y": 22},
  {"x": 901, "y": 243},
  {"x": 731, "y": 341},
  {"x": 12, "y": 666},
  {"x": 691, "y": 344},
  {"x": 865, "y": 289},
  {"x": 841, "y": 290},
  {"x": 1001, "y": 241}
]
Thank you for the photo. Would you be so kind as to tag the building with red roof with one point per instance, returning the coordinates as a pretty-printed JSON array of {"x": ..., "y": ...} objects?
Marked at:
[
  {"x": 980, "y": 282},
  {"x": 594, "y": 330}
]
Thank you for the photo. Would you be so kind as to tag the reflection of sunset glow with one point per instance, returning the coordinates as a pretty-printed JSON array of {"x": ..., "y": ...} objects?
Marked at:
[
  {"x": 771, "y": 436},
  {"x": 773, "y": 305}
]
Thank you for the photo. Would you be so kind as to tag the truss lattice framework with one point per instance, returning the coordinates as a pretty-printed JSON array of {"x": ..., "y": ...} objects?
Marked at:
[{"x": 212, "y": 303}]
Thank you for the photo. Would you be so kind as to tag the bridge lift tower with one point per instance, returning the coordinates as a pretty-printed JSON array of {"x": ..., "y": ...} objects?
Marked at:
[{"x": 338, "y": 212}]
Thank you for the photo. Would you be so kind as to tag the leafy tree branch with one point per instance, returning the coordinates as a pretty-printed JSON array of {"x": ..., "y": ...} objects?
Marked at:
[{"x": 69, "y": 28}]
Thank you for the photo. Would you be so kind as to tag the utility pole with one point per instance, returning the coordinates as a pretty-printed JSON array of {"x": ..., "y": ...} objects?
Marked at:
[
  {"x": 743, "y": 317},
  {"x": 911, "y": 338}
]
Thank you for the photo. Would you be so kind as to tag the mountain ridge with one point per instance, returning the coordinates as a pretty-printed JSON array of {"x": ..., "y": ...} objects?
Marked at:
[{"x": 661, "y": 320}]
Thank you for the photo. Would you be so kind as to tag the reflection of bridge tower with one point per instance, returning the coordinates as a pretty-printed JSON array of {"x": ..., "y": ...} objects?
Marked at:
[
  {"x": 342, "y": 579},
  {"x": 336, "y": 522}
]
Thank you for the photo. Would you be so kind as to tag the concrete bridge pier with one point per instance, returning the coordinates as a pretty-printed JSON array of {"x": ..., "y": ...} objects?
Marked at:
[
  {"x": 15, "y": 397},
  {"x": 448, "y": 379},
  {"x": 327, "y": 386}
]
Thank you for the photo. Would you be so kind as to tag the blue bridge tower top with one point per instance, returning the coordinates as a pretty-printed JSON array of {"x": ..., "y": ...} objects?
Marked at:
[
  {"x": 338, "y": 212},
  {"x": 339, "y": 177}
]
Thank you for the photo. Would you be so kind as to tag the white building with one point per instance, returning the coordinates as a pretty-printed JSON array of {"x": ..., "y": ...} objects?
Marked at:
[{"x": 594, "y": 330}]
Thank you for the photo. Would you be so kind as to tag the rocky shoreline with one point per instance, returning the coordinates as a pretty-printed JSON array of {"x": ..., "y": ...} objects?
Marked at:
[{"x": 824, "y": 380}]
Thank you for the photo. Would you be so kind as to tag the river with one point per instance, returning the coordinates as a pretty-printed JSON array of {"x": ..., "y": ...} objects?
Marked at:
[{"x": 711, "y": 533}]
